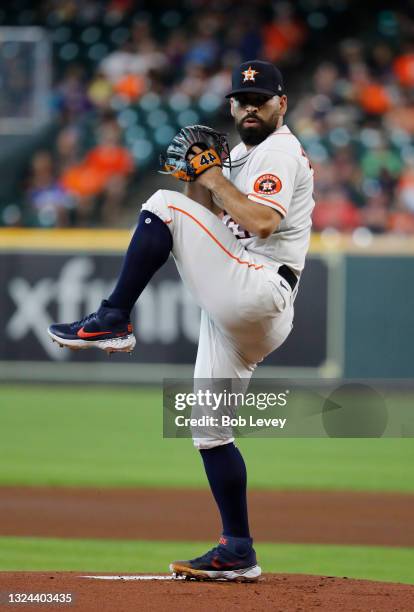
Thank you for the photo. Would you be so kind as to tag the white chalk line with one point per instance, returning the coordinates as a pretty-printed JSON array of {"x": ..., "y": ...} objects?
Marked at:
[{"x": 138, "y": 577}]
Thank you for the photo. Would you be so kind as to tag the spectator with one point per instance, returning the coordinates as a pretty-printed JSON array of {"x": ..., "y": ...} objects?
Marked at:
[
  {"x": 402, "y": 117},
  {"x": 119, "y": 63},
  {"x": 100, "y": 91},
  {"x": 48, "y": 203},
  {"x": 100, "y": 180},
  {"x": 405, "y": 187},
  {"x": 284, "y": 34},
  {"x": 203, "y": 50},
  {"x": 71, "y": 94},
  {"x": 374, "y": 98},
  {"x": 401, "y": 222},
  {"x": 130, "y": 87},
  {"x": 220, "y": 82},
  {"x": 380, "y": 61},
  {"x": 109, "y": 156},
  {"x": 380, "y": 159},
  {"x": 67, "y": 149},
  {"x": 194, "y": 82},
  {"x": 404, "y": 67},
  {"x": 374, "y": 214},
  {"x": 176, "y": 48},
  {"x": 334, "y": 210}
]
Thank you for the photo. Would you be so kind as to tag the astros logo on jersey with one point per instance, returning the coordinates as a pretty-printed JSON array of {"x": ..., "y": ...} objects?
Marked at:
[
  {"x": 268, "y": 184},
  {"x": 249, "y": 74}
]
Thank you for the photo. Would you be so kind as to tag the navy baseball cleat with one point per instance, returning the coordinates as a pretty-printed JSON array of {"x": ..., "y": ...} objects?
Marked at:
[
  {"x": 109, "y": 329},
  {"x": 233, "y": 559}
]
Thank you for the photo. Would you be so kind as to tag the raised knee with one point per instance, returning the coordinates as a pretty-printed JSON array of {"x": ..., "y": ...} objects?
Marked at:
[
  {"x": 158, "y": 204},
  {"x": 160, "y": 193}
]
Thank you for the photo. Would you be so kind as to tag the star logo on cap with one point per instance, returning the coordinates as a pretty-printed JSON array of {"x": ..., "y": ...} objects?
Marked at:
[{"x": 249, "y": 74}]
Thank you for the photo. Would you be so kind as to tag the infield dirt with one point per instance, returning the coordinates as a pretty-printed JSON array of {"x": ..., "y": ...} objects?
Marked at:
[
  {"x": 279, "y": 593},
  {"x": 318, "y": 517},
  {"x": 306, "y": 517}
]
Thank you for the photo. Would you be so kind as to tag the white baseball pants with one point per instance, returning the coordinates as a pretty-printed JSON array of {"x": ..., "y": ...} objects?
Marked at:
[{"x": 246, "y": 312}]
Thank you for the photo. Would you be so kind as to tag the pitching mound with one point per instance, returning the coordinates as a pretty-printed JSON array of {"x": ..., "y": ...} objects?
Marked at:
[{"x": 276, "y": 592}]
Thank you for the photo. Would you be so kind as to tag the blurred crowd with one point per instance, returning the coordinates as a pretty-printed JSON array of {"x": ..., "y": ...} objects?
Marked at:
[
  {"x": 114, "y": 69},
  {"x": 125, "y": 80},
  {"x": 65, "y": 188},
  {"x": 357, "y": 123}
]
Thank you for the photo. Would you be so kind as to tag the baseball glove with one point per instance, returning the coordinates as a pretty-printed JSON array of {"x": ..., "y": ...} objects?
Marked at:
[{"x": 185, "y": 163}]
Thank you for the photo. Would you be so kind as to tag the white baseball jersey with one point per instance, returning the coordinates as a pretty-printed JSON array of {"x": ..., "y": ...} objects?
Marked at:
[
  {"x": 247, "y": 308},
  {"x": 276, "y": 173}
]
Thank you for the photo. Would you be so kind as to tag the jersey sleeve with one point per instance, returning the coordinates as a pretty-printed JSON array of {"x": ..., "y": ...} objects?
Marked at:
[{"x": 271, "y": 180}]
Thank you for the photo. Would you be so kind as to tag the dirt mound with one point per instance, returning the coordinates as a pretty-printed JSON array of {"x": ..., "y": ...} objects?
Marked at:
[{"x": 276, "y": 592}]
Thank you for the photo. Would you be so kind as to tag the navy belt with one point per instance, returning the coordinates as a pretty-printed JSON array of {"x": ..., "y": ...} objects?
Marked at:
[{"x": 289, "y": 276}]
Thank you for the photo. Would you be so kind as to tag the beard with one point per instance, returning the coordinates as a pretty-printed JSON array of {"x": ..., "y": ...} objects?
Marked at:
[{"x": 254, "y": 135}]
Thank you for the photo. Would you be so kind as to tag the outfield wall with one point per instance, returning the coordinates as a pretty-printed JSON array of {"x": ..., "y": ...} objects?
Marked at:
[{"x": 353, "y": 313}]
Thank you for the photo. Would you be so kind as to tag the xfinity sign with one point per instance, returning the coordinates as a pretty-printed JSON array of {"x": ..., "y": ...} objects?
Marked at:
[
  {"x": 164, "y": 315},
  {"x": 41, "y": 288}
]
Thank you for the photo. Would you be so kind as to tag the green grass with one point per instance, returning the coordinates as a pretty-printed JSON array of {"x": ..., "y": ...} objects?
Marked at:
[
  {"x": 112, "y": 436},
  {"x": 374, "y": 563}
]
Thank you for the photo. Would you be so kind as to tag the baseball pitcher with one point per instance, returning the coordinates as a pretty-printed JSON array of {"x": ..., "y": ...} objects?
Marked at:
[{"x": 239, "y": 236}]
